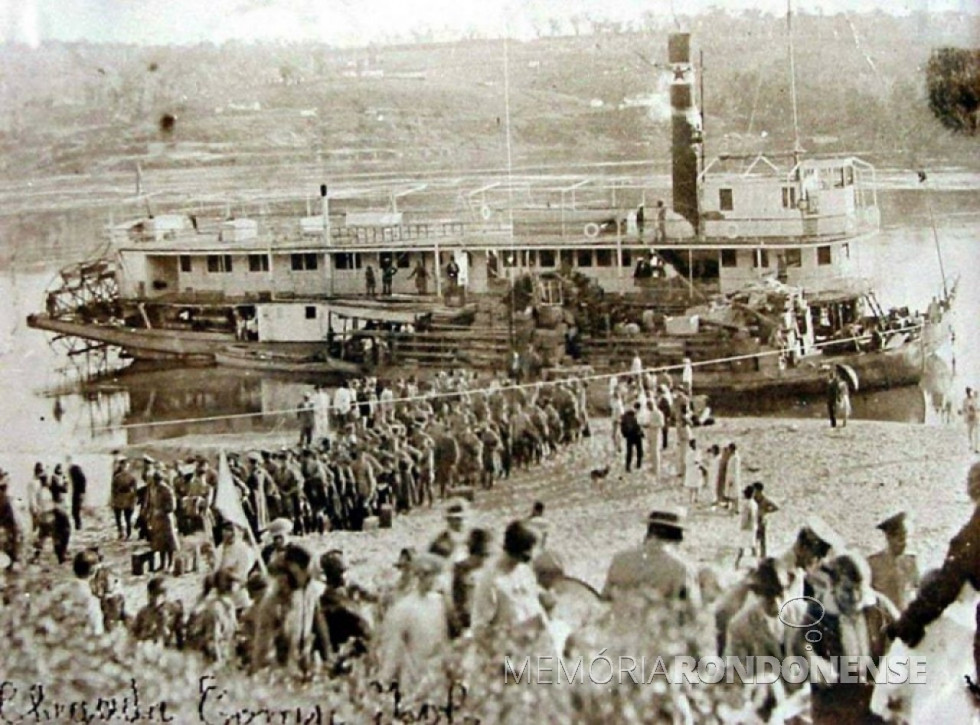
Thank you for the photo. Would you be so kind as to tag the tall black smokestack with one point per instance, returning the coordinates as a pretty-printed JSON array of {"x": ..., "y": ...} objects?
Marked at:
[{"x": 685, "y": 128}]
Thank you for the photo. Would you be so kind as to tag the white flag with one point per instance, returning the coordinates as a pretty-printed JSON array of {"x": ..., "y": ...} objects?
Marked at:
[{"x": 227, "y": 500}]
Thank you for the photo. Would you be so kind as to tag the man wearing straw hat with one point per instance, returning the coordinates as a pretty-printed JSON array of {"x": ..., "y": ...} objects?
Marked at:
[{"x": 655, "y": 567}]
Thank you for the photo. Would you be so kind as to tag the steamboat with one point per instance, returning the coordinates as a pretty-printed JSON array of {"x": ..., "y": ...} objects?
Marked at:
[{"x": 753, "y": 271}]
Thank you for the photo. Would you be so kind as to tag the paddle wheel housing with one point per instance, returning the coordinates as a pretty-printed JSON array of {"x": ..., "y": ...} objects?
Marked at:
[{"x": 88, "y": 290}]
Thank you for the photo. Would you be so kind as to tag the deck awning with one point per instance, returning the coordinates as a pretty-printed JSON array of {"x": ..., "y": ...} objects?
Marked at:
[{"x": 378, "y": 314}]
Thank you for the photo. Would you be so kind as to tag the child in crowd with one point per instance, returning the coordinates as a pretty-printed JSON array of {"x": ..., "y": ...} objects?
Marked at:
[{"x": 748, "y": 523}]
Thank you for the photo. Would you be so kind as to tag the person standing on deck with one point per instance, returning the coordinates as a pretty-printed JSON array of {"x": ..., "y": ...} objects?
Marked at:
[
  {"x": 661, "y": 235},
  {"x": 370, "y": 281},
  {"x": 387, "y": 275},
  {"x": 421, "y": 277}
]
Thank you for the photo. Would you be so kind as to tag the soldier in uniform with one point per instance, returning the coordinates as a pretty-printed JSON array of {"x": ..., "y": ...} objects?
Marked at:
[
  {"x": 654, "y": 567},
  {"x": 893, "y": 572},
  {"x": 961, "y": 567}
]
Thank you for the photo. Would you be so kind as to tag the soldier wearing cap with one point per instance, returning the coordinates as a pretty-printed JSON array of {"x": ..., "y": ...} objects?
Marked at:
[
  {"x": 655, "y": 567},
  {"x": 798, "y": 566},
  {"x": 893, "y": 572}
]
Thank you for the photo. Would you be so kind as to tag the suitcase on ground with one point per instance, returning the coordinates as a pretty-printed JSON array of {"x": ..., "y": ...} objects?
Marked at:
[
  {"x": 385, "y": 517},
  {"x": 142, "y": 562},
  {"x": 371, "y": 523}
]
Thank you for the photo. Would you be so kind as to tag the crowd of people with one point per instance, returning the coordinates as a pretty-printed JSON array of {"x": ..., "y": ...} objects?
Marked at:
[{"x": 373, "y": 450}]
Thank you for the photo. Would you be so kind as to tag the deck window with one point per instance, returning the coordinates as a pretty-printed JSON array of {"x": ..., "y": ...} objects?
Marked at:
[
  {"x": 789, "y": 197},
  {"x": 219, "y": 263},
  {"x": 185, "y": 263},
  {"x": 823, "y": 255},
  {"x": 627, "y": 261},
  {"x": 310, "y": 312},
  {"x": 546, "y": 258},
  {"x": 726, "y": 200},
  {"x": 510, "y": 258},
  {"x": 729, "y": 258},
  {"x": 794, "y": 258},
  {"x": 258, "y": 263},
  {"x": 567, "y": 257},
  {"x": 403, "y": 260},
  {"x": 603, "y": 258},
  {"x": 347, "y": 260},
  {"x": 583, "y": 258},
  {"x": 303, "y": 262},
  {"x": 761, "y": 258}
]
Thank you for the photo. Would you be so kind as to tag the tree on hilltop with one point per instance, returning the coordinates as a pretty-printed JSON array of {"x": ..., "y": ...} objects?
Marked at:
[{"x": 953, "y": 84}]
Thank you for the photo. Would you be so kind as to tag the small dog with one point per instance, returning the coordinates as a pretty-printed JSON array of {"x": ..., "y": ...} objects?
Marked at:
[{"x": 598, "y": 476}]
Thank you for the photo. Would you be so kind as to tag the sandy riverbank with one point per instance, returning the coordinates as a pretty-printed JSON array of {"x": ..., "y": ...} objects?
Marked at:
[{"x": 852, "y": 477}]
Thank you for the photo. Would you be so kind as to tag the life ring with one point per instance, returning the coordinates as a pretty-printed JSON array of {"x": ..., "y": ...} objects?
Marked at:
[
  {"x": 486, "y": 212},
  {"x": 591, "y": 230}
]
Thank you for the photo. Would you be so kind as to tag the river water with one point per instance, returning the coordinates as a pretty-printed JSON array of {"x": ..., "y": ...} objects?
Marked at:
[{"x": 47, "y": 417}]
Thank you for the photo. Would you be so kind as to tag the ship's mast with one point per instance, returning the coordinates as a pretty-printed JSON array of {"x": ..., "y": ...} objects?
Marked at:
[{"x": 792, "y": 83}]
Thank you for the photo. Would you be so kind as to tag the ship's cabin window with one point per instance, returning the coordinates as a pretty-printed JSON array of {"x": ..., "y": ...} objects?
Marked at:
[
  {"x": 567, "y": 258},
  {"x": 546, "y": 258},
  {"x": 726, "y": 200},
  {"x": 310, "y": 312},
  {"x": 584, "y": 258},
  {"x": 403, "y": 261},
  {"x": 729, "y": 258},
  {"x": 510, "y": 258},
  {"x": 794, "y": 258},
  {"x": 185, "y": 263},
  {"x": 603, "y": 258},
  {"x": 789, "y": 197},
  {"x": 846, "y": 249},
  {"x": 219, "y": 263},
  {"x": 761, "y": 258},
  {"x": 627, "y": 258},
  {"x": 823, "y": 255},
  {"x": 303, "y": 262},
  {"x": 258, "y": 263},
  {"x": 347, "y": 260}
]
